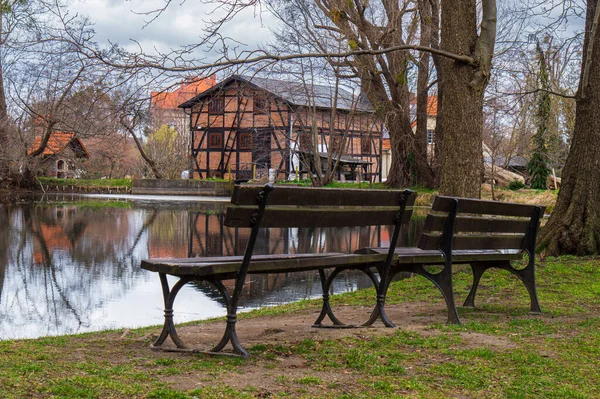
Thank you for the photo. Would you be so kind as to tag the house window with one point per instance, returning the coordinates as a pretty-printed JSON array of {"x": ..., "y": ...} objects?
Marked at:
[
  {"x": 245, "y": 141},
  {"x": 215, "y": 140},
  {"x": 430, "y": 136},
  {"x": 260, "y": 106},
  {"x": 216, "y": 105},
  {"x": 365, "y": 145}
]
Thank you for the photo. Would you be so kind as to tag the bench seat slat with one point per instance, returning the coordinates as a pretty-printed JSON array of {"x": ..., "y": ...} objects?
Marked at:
[
  {"x": 264, "y": 264},
  {"x": 307, "y": 196},
  {"x": 302, "y": 217},
  {"x": 410, "y": 255}
]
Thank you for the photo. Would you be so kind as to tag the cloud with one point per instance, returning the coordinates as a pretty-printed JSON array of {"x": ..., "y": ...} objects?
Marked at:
[{"x": 182, "y": 23}]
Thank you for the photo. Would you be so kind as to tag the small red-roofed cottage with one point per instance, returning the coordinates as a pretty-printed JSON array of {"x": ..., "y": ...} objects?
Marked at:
[{"x": 63, "y": 156}]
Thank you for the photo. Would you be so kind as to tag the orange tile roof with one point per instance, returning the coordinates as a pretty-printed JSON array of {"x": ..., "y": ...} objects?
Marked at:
[
  {"x": 56, "y": 143},
  {"x": 432, "y": 105},
  {"x": 186, "y": 91}
]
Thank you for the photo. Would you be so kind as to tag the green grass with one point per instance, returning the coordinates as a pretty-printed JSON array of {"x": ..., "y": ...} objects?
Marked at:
[
  {"x": 500, "y": 351},
  {"x": 86, "y": 182}
]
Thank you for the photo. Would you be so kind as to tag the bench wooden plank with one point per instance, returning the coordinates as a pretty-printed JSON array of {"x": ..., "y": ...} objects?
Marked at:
[
  {"x": 410, "y": 255},
  {"x": 309, "y": 196},
  {"x": 301, "y": 217},
  {"x": 468, "y": 205},
  {"x": 435, "y": 222},
  {"x": 432, "y": 241},
  {"x": 272, "y": 264},
  {"x": 235, "y": 258}
]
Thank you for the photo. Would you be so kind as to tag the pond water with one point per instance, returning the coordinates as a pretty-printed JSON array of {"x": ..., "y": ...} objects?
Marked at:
[{"x": 71, "y": 264}]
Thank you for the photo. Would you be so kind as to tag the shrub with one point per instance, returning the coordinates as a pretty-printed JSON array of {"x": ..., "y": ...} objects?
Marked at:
[{"x": 516, "y": 185}]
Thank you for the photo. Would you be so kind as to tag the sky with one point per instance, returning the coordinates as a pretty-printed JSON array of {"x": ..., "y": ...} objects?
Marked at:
[{"x": 116, "y": 21}]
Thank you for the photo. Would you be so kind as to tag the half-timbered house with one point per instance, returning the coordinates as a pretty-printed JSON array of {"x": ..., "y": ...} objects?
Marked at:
[{"x": 244, "y": 126}]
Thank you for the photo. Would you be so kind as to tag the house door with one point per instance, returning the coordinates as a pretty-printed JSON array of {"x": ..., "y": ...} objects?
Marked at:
[
  {"x": 261, "y": 151},
  {"x": 60, "y": 169}
]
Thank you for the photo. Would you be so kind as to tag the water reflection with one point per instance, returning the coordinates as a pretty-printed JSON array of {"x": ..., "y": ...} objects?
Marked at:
[{"x": 74, "y": 267}]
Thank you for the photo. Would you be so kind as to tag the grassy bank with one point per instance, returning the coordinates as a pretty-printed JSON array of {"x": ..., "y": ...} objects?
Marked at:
[
  {"x": 500, "y": 351},
  {"x": 51, "y": 181},
  {"x": 425, "y": 197}
]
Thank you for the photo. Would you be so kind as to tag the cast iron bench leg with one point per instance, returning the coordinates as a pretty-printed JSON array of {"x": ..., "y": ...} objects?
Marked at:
[
  {"x": 478, "y": 270},
  {"x": 230, "y": 334},
  {"x": 327, "y": 311},
  {"x": 379, "y": 311},
  {"x": 169, "y": 329},
  {"x": 443, "y": 281},
  {"x": 169, "y": 297},
  {"x": 526, "y": 275}
]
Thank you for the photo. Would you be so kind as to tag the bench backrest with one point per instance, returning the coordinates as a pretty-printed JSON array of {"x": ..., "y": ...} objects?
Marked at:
[
  {"x": 318, "y": 207},
  {"x": 469, "y": 224},
  {"x": 255, "y": 207}
]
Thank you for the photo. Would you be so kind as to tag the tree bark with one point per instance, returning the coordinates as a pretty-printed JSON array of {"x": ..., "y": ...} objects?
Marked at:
[
  {"x": 462, "y": 88},
  {"x": 574, "y": 226},
  {"x": 402, "y": 142}
]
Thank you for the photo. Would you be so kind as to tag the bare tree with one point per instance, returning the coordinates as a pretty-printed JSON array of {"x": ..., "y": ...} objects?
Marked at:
[
  {"x": 380, "y": 51},
  {"x": 15, "y": 15},
  {"x": 131, "y": 112},
  {"x": 46, "y": 88},
  {"x": 383, "y": 77}
]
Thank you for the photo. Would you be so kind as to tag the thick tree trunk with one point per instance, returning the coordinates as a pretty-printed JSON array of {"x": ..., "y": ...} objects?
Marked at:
[
  {"x": 574, "y": 226},
  {"x": 462, "y": 87},
  {"x": 462, "y": 115}
]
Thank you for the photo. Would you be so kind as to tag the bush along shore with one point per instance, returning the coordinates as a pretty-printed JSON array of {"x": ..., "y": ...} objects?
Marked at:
[{"x": 500, "y": 350}]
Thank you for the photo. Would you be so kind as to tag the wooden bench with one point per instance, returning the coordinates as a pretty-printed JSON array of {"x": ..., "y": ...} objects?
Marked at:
[
  {"x": 255, "y": 207},
  {"x": 483, "y": 234}
]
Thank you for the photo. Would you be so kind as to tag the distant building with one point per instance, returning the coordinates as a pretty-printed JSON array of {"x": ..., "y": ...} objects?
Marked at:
[
  {"x": 63, "y": 156},
  {"x": 164, "y": 108},
  {"x": 245, "y": 123}
]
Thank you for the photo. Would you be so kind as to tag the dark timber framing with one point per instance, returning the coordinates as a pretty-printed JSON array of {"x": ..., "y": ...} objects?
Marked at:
[{"x": 243, "y": 137}]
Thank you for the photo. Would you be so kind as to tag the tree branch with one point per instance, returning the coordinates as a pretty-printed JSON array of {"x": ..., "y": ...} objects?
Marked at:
[{"x": 141, "y": 64}]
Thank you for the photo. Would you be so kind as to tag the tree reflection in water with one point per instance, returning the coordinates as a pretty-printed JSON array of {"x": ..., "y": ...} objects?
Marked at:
[{"x": 73, "y": 268}]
